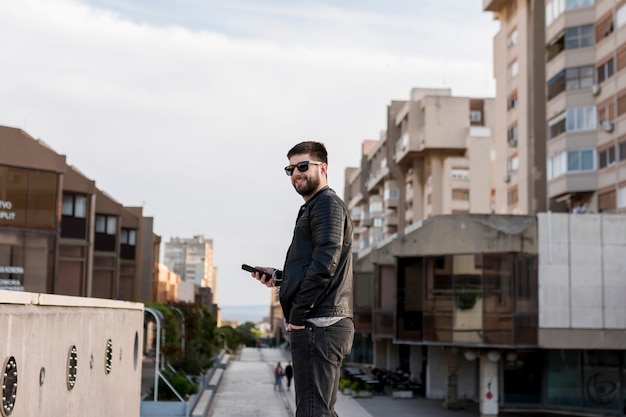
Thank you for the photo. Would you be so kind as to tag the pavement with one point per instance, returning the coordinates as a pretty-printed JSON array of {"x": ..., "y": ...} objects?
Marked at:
[{"x": 247, "y": 389}]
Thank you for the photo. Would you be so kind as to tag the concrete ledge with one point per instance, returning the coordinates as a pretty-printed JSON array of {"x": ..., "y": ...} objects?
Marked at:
[
  {"x": 216, "y": 378},
  {"x": 224, "y": 361},
  {"x": 23, "y": 298},
  {"x": 202, "y": 406}
]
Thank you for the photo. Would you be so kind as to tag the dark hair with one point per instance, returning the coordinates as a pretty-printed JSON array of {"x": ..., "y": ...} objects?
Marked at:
[{"x": 317, "y": 150}]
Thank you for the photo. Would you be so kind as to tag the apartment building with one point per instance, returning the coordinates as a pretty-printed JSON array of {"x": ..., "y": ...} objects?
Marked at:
[
  {"x": 60, "y": 234},
  {"x": 434, "y": 157},
  {"x": 192, "y": 259},
  {"x": 520, "y": 308},
  {"x": 586, "y": 57},
  {"x": 519, "y": 128}
]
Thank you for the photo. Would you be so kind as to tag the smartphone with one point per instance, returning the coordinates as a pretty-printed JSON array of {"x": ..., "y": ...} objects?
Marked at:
[{"x": 249, "y": 268}]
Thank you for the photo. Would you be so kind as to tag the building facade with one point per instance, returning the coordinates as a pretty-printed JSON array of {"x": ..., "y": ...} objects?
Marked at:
[
  {"x": 520, "y": 106},
  {"x": 586, "y": 62},
  {"x": 60, "y": 234},
  {"x": 519, "y": 308}
]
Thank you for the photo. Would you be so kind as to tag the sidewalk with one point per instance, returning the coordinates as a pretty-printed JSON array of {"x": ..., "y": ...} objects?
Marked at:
[{"x": 247, "y": 389}]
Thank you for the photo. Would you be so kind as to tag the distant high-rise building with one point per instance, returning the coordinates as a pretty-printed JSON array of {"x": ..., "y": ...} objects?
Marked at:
[{"x": 192, "y": 259}]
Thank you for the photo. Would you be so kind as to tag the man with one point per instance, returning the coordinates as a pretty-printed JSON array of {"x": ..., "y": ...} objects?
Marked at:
[
  {"x": 289, "y": 375},
  {"x": 316, "y": 283}
]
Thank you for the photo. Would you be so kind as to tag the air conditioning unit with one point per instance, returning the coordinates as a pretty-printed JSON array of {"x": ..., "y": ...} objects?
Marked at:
[
  {"x": 596, "y": 89},
  {"x": 507, "y": 178},
  {"x": 512, "y": 142},
  {"x": 608, "y": 126}
]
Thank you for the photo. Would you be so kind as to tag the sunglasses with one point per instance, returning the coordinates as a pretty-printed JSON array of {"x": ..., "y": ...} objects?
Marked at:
[{"x": 302, "y": 167}]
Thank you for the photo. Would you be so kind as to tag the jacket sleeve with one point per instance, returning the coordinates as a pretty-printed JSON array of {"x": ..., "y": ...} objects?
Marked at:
[{"x": 327, "y": 219}]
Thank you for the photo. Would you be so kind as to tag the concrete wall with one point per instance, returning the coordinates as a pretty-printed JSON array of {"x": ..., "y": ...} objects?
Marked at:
[
  {"x": 582, "y": 259},
  {"x": 39, "y": 331}
]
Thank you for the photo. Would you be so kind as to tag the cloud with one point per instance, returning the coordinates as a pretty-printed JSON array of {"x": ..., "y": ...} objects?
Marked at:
[{"x": 193, "y": 120}]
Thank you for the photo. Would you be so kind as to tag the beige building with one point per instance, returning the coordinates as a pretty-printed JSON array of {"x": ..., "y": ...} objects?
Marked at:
[
  {"x": 167, "y": 286},
  {"x": 585, "y": 65},
  {"x": 435, "y": 157},
  {"x": 192, "y": 259},
  {"x": 519, "y": 128}
]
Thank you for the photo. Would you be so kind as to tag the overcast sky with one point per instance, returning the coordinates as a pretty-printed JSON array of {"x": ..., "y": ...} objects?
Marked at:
[{"x": 189, "y": 107}]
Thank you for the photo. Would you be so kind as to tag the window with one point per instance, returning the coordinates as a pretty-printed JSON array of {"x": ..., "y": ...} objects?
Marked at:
[
  {"x": 74, "y": 205},
  {"x": 460, "y": 195},
  {"x": 556, "y": 85},
  {"x": 604, "y": 26},
  {"x": 607, "y": 157},
  {"x": 512, "y": 135},
  {"x": 579, "y": 37},
  {"x": 622, "y": 150},
  {"x": 570, "y": 79},
  {"x": 607, "y": 201},
  {"x": 580, "y": 160},
  {"x": 580, "y": 119},
  {"x": 621, "y": 103},
  {"x": 556, "y": 126},
  {"x": 460, "y": 174},
  {"x": 376, "y": 206},
  {"x": 512, "y": 164},
  {"x": 391, "y": 193},
  {"x": 555, "y": 47},
  {"x": 556, "y": 166},
  {"x": 106, "y": 224},
  {"x": 579, "y": 77},
  {"x": 621, "y": 197},
  {"x": 128, "y": 236},
  {"x": 606, "y": 110},
  {"x": 476, "y": 116},
  {"x": 620, "y": 16},
  {"x": 512, "y": 70},
  {"x": 512, "y": 196},
  {"x": 606, "y": 70},
  {"x": 512, "y": 39},
  {"x": 554, "y": 8},
  {"x": 512, "y": 101}
]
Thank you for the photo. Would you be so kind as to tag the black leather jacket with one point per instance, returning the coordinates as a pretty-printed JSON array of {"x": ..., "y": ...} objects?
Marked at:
[{"x": 317, "y": 276}]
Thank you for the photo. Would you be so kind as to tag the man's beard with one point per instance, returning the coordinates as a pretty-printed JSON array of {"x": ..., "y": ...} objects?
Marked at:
[{"x": 308, "y": 187}]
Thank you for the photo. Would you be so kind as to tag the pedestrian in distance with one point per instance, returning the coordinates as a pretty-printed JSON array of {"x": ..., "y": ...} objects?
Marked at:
[
  {"x": 316, "y": 283},
  {"x": 289, "y": 375},
  {"x": 278, "y": 377}
]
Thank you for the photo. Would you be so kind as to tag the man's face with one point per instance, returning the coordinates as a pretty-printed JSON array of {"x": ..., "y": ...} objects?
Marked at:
[{"x": 309, "y": 182}]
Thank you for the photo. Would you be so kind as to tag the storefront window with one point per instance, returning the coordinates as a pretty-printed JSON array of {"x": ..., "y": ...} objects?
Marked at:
[
  {"x": 601, "y": 379},
  {"x": 522, "y": 377},
  {"x": 563, "y": 378},
  {"x": 11, "y": 267},
  {"x": 28, "y": 198}
]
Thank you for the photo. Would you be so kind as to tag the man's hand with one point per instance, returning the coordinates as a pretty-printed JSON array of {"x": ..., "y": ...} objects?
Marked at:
[
  {"x": 291, "y": 327},
  {"x": 262, "y": 278}
]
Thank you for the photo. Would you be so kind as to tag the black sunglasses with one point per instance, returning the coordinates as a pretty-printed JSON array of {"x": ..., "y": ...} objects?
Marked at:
[{"x": 302, "y": 167}]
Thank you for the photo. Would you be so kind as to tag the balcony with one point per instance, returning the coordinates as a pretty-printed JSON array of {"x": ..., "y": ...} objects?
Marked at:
[
  {"x": 376, "y": 178},
  {"x": 391, "y": 218},
  {"x": 567, "y": 184}
]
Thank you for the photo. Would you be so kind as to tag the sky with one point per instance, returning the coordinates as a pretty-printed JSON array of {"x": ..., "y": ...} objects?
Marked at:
[{"x": 188, "y": 107}]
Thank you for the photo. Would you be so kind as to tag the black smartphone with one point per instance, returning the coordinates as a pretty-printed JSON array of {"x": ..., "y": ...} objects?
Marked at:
[{"x": 249, "y": 268}]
